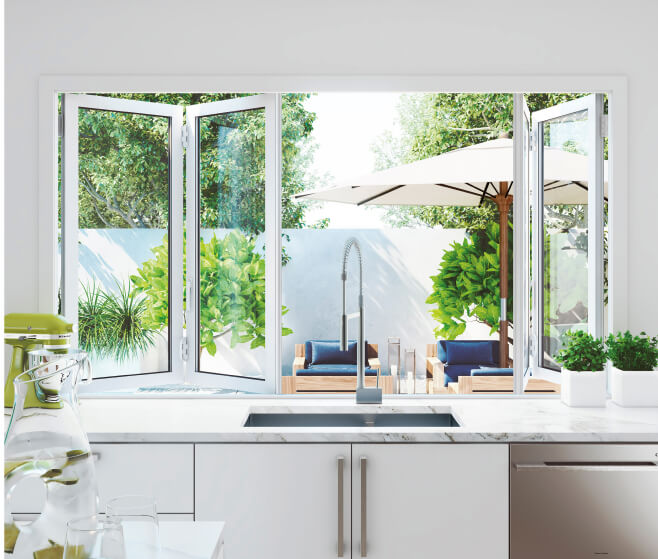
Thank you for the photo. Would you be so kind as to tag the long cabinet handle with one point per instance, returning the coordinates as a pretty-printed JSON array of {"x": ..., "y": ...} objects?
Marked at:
[
  {"x": 587, "y": 467},
  {"x": 364, "y": 508},
  {"x": 341, "y": 517}
]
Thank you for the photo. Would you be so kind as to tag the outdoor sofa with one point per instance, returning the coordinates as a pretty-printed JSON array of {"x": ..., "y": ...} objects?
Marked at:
[
  {"x": 472, "y": 367},
  {"x": 319, "y": 366}
]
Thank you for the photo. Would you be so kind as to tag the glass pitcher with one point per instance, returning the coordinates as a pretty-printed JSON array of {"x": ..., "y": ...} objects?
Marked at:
[{"x": 45, "y": 439}]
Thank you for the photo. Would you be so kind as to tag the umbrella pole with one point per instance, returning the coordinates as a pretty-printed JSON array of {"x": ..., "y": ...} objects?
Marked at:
[{"x": 504, "y": 202}]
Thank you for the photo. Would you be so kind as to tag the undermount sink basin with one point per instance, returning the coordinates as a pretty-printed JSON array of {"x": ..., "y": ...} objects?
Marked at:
[{"x": 351, "y": 420}]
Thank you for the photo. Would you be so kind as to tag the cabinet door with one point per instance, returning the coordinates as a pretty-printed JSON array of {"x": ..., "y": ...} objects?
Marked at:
[
  {"x": 278, "y": 500},
  {"x": 430, "y": 500},
  {"x": 162, "y": 471}
]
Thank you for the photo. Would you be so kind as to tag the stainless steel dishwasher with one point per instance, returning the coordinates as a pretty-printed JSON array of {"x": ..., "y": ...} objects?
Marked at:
[{"x": 580, "y": 501}]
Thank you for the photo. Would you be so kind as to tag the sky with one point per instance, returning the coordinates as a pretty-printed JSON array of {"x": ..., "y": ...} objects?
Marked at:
[{"x": 345, "y": 127}]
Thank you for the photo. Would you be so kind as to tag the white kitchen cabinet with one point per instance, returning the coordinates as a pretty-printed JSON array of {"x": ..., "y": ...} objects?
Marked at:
[
  {"x": 277, "y": 500},
  {"x": 163, "y": 471},
  {"x": 430, "y": 500}
]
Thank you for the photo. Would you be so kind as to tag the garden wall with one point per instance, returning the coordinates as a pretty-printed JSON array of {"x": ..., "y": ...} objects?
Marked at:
[{"x": 397, "y": 265}]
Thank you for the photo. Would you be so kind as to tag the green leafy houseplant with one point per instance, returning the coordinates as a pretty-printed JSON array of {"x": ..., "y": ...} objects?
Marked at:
[
  {"x": 633, "y": 353},
  {"x": 583, "y": 352}
]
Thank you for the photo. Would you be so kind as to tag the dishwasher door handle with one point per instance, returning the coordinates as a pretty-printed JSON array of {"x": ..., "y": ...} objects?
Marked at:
[{"x": 588, "y": 467}]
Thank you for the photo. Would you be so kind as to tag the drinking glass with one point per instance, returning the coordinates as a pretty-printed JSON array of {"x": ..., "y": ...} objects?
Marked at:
[
  {"x": 91, "y": 537},
  {"x": 139, "y": 520}
]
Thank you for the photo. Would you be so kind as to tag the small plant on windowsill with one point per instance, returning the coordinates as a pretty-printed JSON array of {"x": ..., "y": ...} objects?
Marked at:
[
  {"x": 633, "y": 380},
  {"x": 583, "y": 376}
]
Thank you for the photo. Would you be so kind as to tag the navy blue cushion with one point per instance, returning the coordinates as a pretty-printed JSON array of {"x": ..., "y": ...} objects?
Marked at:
[
  {"x": 332, "y": 370},
  {"x": 328, "y": 352},
  {"x": 452, "y": 372},
  {"x": 462, "y": 352},
  {"x": 492, "y": 372}
]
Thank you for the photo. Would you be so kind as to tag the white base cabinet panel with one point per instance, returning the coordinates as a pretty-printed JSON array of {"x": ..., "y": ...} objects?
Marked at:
[
  {"x": 277, "y": 500},
  {"x": 162, "y": 471},
  {"x": 430, "y": 501}
]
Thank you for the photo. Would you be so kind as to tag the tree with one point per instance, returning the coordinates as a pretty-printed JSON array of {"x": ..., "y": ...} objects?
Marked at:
[
  {"x": 124, "y": 165},
  {"x": 467, "y": 286}
]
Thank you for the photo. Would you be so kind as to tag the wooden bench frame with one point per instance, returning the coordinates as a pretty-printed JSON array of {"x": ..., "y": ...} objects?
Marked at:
[{"x": 318, "y": 384}]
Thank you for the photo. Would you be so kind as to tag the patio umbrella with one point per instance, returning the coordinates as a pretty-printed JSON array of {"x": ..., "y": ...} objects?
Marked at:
[{"x": 466, "y": 177}]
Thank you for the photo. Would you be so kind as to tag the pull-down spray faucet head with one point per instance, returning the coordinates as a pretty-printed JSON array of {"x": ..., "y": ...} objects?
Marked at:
[{"x": 351, "y": 242}]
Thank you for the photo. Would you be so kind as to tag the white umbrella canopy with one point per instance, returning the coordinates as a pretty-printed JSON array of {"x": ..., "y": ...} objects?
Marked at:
[{"x": 462, "y": 177}]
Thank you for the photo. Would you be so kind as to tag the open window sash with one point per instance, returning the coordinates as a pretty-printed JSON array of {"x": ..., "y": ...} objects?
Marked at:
[
  {"x": 233, "y": 302},
  {"x": 567, "y": 274},
  {"x": 73, "y": 105},
  {"x": 522, "y": 242}
]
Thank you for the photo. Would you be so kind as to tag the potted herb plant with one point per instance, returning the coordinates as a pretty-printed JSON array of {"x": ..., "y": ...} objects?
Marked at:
[
  {"x": 583, "y": 370},
  {"x": 634, "y": 380}
]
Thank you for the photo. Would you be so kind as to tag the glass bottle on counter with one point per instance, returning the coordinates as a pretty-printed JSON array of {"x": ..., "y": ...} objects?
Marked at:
[{"x": 45, "y": 440}]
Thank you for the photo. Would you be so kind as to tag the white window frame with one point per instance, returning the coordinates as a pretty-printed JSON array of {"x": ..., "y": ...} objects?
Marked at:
[
  {"x": 271, "y": 103},
  {"x": 616, "y": 87},
  {"x": 71, "y": 103},
  {"x": 521, "y": 252},
  {"x": 593, "y": 104}
]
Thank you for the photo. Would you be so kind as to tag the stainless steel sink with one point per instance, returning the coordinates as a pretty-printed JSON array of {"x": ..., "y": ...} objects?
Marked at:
[{"x": 351, "y": 420}]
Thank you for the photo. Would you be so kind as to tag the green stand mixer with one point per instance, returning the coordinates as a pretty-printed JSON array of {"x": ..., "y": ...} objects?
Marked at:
[{"x": 26, "y": 332}]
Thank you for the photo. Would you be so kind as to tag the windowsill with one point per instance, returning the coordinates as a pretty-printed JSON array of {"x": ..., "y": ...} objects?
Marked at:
[{"x": 209, "y": 393}]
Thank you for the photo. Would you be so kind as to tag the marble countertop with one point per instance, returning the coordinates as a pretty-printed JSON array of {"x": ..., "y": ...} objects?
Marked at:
[{"x": 481, "y": 420}]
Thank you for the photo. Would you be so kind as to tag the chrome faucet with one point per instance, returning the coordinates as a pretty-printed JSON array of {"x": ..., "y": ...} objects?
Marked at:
[{"x": 363, "y": 395}]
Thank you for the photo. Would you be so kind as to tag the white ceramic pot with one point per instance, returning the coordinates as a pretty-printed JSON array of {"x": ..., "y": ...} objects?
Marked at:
[
  {"x": 583, "y": 389},
  {"x": 634, "y": 389}
]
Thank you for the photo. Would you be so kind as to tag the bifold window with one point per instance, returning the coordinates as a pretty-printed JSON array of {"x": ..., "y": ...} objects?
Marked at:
[{"x": 202, "y": 237}]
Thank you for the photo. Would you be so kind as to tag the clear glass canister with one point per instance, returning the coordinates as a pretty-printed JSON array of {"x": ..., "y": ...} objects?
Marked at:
[{"x": 394, "y": 362}]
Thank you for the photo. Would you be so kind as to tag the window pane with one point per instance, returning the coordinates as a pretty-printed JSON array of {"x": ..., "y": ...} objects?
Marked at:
[
  {"x": 123, "y": 303},
  {"x": 418, "y": 259},
  {"x": 231, "y": 254},
  {"x": 565, "y": 235}
]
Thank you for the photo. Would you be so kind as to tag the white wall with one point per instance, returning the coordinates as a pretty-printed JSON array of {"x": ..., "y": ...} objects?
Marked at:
[
  {"x": 346, "y": 37},
  {"x": 397, "y": 267}
]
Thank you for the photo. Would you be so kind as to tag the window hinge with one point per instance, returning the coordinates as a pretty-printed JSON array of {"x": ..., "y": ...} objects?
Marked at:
[
  {"x": 60, "y": 125},
  {"x": 533, "y": 140},
  {"x": 604, "y": 126},
  {"x": 184, "y": 348},
  {"x": 185, "y": 136}
]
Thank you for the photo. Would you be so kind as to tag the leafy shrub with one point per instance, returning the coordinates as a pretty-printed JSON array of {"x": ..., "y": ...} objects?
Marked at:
[
  {"x": 113, "y": 324},
  {"x": 583, "y": 352},
  {"x": 468, "y": 284},
  {"x": 93, "y": 325},
  {"x": 231, "y": 291},
  {"x": 633, "y": 353}
]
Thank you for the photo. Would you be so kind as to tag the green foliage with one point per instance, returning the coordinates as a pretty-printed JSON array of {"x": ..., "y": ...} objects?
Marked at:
[
  {"x": 124, "y": 165},
  {"x": 231, "y": 291},
  {"x": 113, "y": 324},
  {"x": 468, "y": 284},
  {"x": 93, "y": 325},
  {"x": 633, "y": 353},
  {"x": 152, "y": 280},
  {"x": 583, "y": 352}
]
